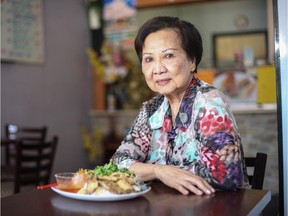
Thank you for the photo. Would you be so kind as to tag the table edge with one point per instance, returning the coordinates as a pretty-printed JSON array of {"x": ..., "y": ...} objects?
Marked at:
[{"x": 261, "y": 204}]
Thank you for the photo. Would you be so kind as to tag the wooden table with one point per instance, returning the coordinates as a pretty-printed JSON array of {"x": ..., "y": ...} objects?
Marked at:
[{"x": 161, "y": 200}]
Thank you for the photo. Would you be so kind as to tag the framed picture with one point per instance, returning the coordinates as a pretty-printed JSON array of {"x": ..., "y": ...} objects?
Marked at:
[
  {"x": 239, "y": 49},
  {"x": 22, "y": 31}
]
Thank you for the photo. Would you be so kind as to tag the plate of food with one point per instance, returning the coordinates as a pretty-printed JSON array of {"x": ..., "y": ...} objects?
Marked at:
[
  {"x": 100, "y": 197},
  {"x": 104, "y": 183}
]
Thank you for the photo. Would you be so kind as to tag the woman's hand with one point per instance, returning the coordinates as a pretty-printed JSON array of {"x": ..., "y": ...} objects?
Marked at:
[
  {"x": 174, "y": 177},
  {"x": 182, "y": 180}
]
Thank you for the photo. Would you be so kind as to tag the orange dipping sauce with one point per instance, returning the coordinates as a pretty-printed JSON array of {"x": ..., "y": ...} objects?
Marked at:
[{"x": 71, "y": 190}]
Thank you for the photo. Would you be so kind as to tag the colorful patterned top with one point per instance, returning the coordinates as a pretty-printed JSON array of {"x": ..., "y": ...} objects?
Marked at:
[{"x": 204, "y": 138}]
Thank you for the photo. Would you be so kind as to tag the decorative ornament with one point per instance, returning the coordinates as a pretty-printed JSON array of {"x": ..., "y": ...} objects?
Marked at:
[{"x": 241, "y": 21}]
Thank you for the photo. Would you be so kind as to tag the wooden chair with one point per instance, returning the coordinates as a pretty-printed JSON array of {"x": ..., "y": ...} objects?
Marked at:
[
  {"x": 14, "y": 133},
  {"x": 256, "y": 179},
  {"x": 34, "y": 162}
]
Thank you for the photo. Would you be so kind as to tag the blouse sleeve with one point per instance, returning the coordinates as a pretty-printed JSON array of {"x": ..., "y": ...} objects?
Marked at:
[
  {"x": 219, "y": 143},
  {"x": 135, "y": 145}
]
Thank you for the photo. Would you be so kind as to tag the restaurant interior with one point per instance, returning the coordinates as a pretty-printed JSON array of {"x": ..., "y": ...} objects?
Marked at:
[{"x": 84, "y": 83}]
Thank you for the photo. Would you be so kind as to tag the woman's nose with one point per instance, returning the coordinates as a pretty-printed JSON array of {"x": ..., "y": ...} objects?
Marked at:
[{"x": 159, "y": 68}]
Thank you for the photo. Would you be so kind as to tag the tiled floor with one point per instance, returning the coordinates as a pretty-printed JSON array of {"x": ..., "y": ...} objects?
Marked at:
[{"x": 6, "y": 189}]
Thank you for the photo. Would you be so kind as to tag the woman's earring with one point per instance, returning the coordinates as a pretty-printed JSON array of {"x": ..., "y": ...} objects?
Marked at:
[{"x": 192, "y": 69}]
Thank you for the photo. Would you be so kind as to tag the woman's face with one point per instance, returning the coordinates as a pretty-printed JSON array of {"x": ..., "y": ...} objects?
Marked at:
[{"x": 165, "y": 65}]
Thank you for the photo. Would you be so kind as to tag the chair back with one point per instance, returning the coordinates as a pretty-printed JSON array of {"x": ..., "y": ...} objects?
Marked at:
[
  {"x": 14, "y": 133},
  {"x": 34, "y": 162},
  {"x": 258, "y": 163}
]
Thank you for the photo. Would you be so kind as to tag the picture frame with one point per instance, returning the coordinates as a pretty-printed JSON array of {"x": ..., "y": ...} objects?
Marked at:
[
  {"x": 22, "y": 35},
  {"x": 228, "y": 47}
]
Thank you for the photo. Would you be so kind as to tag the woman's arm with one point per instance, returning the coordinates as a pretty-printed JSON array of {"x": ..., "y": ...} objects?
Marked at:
[
  {"x": 220, "y": 149},
  {"x": 175, "y": 177},
  {"x": 135, "y": 146}
]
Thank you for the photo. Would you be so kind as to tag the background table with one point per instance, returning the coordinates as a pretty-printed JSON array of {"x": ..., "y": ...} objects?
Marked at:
[{"x": 161, "y": 200}]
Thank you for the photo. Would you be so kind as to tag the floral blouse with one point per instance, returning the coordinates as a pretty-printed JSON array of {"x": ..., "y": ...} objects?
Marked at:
[{"x": 203, "y": 139}]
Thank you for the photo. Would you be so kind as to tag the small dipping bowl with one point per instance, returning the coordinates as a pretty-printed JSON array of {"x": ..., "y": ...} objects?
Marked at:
[{"x": 69, "y": 181}]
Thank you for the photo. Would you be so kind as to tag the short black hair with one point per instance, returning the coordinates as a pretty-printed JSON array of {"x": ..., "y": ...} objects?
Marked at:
[{"x": 190, "y": 37}]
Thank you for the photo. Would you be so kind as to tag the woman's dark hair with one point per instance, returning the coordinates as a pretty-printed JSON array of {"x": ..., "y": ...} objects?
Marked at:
[{"x": 190, "y": 36}]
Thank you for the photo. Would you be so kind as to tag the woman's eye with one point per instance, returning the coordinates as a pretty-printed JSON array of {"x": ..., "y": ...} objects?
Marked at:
[
  {"x": 168, "y": 55},
  {"x": 148, "y": 59}
]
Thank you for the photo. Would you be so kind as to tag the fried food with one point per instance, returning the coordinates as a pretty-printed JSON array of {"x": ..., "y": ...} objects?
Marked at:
[{"x": 117, "y": 183}]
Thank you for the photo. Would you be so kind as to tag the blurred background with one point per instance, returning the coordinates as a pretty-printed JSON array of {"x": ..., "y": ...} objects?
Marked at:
[{"x": 76, "y": 72}]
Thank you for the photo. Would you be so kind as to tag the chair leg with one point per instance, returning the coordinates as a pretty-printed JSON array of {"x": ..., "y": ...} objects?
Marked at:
[{"x": 16, "y": 184}]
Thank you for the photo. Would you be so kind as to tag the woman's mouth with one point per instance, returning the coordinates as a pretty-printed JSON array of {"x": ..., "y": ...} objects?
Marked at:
[{"x": 162, "y": 82}]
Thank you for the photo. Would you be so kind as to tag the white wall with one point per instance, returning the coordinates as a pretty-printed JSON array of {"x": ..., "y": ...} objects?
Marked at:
[{"x": 57, "y": 93}]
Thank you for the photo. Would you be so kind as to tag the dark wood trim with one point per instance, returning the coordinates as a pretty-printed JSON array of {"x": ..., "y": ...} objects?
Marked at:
[{"x": 144, "y": 4}]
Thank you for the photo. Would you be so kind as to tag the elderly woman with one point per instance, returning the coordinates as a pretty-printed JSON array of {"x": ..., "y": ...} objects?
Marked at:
[{"x": 186, "y": 136}]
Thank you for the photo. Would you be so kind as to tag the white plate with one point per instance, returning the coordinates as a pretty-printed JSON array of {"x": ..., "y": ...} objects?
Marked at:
[
  {"x": 87, "y": 208},
  {"x": 104, "y": 197}
]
